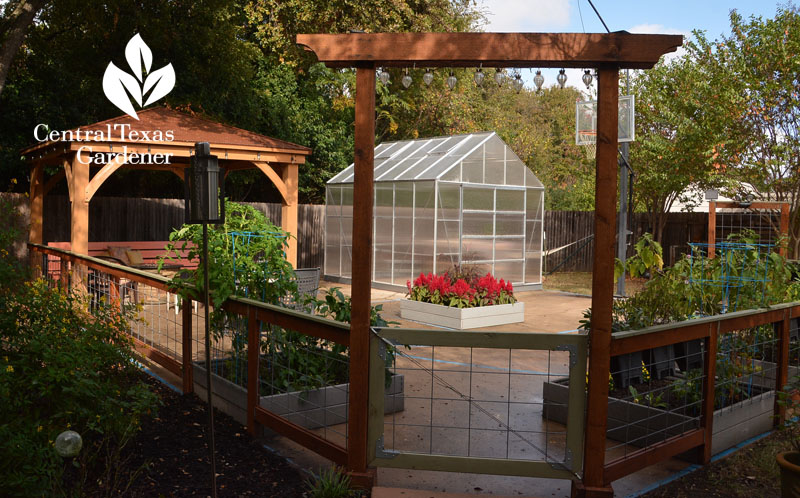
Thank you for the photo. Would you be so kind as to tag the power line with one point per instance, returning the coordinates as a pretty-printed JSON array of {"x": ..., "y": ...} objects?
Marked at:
[
  {"x": 581, "y": 14},
  {"x": 599, "y": 16}
]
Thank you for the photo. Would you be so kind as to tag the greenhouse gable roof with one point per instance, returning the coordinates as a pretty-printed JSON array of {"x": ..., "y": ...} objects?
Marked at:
[{"x": 442, "y": 158}]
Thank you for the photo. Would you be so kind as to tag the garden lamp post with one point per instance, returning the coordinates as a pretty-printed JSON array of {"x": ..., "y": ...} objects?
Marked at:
[{"x": 205, "y": 203}]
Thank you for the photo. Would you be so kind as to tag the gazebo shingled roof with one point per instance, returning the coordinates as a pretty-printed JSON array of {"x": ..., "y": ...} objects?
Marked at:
[{"x": 237, "y": 149}]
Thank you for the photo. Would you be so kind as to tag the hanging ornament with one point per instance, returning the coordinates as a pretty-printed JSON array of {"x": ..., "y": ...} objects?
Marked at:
[
  {"x": 452, "y": 80},
  {"x": 427, "y": 78},
  {"x": 499, "y": 77},
  {"x": 562, "y": 78},
  {"x": 517, "y": 83},
  {"x": 587, "y": 78},
  {"x": 479, "y": 76},
  {"x": 406, "y": 79},
  {"x": 538, "y": 80},
  {"x": 384, "y": 76}
]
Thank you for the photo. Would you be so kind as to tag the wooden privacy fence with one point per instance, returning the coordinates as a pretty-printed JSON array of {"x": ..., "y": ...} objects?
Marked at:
[
  {"x": 569, "y": 237},
  {"x": 131, "y": 219}
]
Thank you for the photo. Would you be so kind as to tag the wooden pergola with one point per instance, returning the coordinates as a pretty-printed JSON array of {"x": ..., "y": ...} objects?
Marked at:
[
  {"x": 608, "y": 53},
  {"x": 236, "y": 148}
]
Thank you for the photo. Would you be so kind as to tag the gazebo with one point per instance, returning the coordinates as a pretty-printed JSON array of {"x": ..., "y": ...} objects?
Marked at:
[{"x": 160, "y": 140}]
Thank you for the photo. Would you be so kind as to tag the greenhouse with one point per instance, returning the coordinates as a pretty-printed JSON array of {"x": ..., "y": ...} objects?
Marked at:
[{"x": 441, "y": 202}]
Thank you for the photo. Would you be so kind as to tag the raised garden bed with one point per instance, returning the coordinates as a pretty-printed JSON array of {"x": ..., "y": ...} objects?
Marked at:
[
  {"x": 462, "y": 318},
  {"x": 641, "y": 425},
  {"x": 311, "y": 409}
]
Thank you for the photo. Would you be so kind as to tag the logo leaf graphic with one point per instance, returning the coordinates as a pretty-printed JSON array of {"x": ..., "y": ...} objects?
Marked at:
[
  {"x": 115, "y": 82},
  {"x": 137, "y": 52},
  {"x": 162, "y": 81}
]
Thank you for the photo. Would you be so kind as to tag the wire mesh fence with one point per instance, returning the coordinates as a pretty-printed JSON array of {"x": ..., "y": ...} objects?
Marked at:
[
  {"x": 763, "y": 223},
  {"x": 482, "y": 401}
]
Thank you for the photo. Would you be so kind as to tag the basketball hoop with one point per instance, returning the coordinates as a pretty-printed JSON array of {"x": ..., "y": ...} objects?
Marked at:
[{"x": 588, "y": 139}]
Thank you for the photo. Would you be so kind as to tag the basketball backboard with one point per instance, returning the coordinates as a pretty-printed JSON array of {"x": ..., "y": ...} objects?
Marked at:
[{"x": 586, "y": 121}]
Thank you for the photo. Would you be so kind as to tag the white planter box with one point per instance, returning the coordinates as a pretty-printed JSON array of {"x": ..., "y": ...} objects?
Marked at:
[{"x": 462, "y": 318}]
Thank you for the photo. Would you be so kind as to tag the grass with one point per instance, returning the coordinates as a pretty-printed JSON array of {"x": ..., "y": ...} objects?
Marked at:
[
  {"x": 581, "y": 283},
  {"x": 750, "y": 472}
]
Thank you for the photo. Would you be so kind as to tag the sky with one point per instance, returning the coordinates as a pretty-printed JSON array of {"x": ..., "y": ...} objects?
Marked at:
[{"x": 642, "y": 16}]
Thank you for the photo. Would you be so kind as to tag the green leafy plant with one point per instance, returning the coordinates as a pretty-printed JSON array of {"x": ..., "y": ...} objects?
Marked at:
[
  {"x": 64, "y": 368},
  {"x": 648, "y": 259},
  {"x": 331, "y": 483}
]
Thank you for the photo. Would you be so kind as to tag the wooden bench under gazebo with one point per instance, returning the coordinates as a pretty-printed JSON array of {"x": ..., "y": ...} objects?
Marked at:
[{"x": 125, "y": 142}]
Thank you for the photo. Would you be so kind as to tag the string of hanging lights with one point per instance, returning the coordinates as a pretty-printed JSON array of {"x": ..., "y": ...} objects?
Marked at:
[{"x": 500, "y": 77}]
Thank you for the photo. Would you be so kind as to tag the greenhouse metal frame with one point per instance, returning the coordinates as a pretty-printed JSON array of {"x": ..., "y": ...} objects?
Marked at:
[{"x": 439, "y": 202}]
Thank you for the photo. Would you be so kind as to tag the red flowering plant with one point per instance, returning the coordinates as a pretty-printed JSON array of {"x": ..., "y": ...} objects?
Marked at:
[{"x": 458, "y": 292}]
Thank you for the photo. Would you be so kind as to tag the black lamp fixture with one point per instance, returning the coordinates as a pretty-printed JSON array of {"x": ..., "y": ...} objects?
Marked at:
[
  {"x": 204, "y": 187},
  {"x": 204, "y": 184}
]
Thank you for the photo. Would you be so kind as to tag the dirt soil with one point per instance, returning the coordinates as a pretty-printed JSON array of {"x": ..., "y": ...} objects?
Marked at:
[
  {"x": 751, "y": 472},
  {"x": 173, "y": 448}
]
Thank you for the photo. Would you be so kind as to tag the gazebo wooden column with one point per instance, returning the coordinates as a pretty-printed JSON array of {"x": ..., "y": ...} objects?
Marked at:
[
  {"x": 289, "y": 175},
  {"x": 79, "y": 207}
]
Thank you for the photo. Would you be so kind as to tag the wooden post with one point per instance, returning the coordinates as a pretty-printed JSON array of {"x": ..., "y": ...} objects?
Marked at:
[
  {"x": 253, "y": 348},
  {"x": 605, "y": 203},
  {"x": 782, "y": 374},
  {"x": 35, "y": 233},
  {"x": 362, "y": 264},
  {"x": 79, "y": 229},
  {"x": 709, "y": 384},
  {"x": 289, "y": 210},
  {"x": 784, "y": 229},
  {"x": 187, "y": 373},
  {"x": 79, "y": 221},
  {"x": 712, "y": 227}
]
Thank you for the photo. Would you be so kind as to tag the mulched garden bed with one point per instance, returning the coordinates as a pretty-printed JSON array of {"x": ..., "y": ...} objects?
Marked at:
[
  {"x": 173, "y": 448},
  {"x": 750, "y": 472}
]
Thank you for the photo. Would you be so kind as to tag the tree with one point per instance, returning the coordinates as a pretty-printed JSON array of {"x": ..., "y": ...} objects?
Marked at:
[
  {"x": 17, "y": 16},
  {"x": 681, "y": 138},
  {"x": 758, "y": 63}
]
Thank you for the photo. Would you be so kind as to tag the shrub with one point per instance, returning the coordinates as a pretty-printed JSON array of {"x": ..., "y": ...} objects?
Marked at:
[{"x": 61, "y": 368}]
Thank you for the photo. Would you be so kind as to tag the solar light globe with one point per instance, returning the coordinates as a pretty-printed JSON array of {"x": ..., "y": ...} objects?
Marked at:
[
  {"x": 538, "y": 80},
  {"x": 499, "y": 77},
  {"x": 68, "y": 444},
  {"x": 384, "y": 76},
  {"x": 587, "y": 78},
  {"x": 562, "y": 78},
  {"x": 406, "y": 80},
  {"x": 452, "y": 80},
  {"x": 479, "y": 76},
  {"x": 427, "y": 78},
  {"x": 517, "y": 83}
]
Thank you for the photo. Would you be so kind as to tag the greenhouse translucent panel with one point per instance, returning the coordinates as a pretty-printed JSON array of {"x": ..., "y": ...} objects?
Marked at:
[
  {"x": 384, "y": 200},
  {"x": 534, "y": 204},
  {"x": 510, "y": 200},
  {"x": 479, "y": 198},
  {"x": 515, "y": 172},
  {"x": 508, "y": 270},
  {"x": 347, "y": 200},
  {"x": 476, "y": 249},
  {"x": 509, "y": 224},
  {"x": 509, "y": 248},
  {"x": 384, "y": 215},
  {"x": 347, "y": 255},
  {"x": 332, "y": 260},
  {"x": 453, "y": 174},
  {"x": 447, "y": 244},
  {"x": 478, "y": 223},
  {"x": 449, "y": 202},
  {"x": 472, "y": 169},
  {"x": 403, "y": 231},
  {"x": 424, "y": 222},
  {"x": 534, "y": 236},
  {"x": 333, "y": 199},
  {"x": 533, "y": 268}
]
